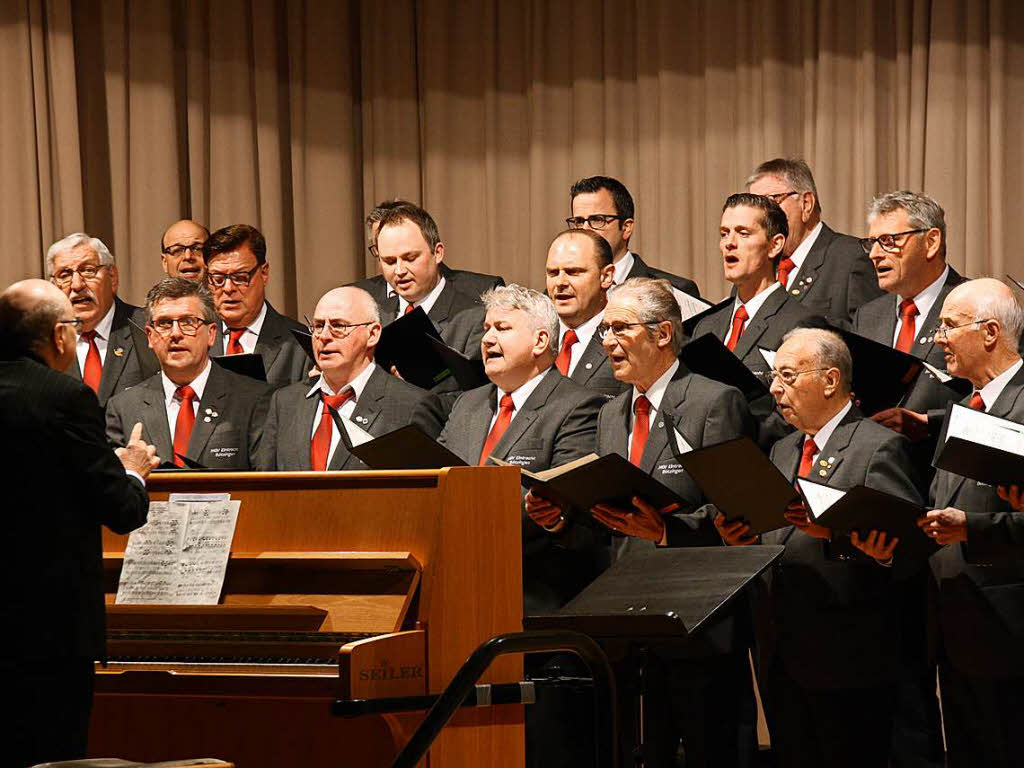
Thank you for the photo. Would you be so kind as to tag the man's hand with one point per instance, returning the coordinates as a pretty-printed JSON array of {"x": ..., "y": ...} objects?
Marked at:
[
  {"x": 1013, "y": 495},
  {"x": 875, "y": 545},
  {"x": 644, "y": 521},
  {"x": 946, "y": 526},
  {"x": 138, "y": 456},
  {"x": 796, "y": 514},
  {"x": 736, "y": 533},
  {"x": 544, "y": 513},
  {"x": 910, "y": 424}
]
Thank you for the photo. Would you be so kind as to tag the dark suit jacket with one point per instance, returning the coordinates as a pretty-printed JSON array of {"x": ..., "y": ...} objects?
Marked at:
[
  {"x": 458, "y": 317},
  {"x": 836, "y": 623},
  {"x": 836, "y": 277},
  {"x": 640, "y": 268},
  {"x": 225, "y": 441},
  {"x": 386, "y": 404},
  {"x": 470, "y": 283},
  {"x": 65, "y": 483},
  {"x": 594, "y": 371},
  {"x": 776, "y": 317},
  {"x": 556, "y": 425},
  {"x": 981, "y": 582},
  {"x": 136, "y": 361},
  {"x": 283, "y": 358}
]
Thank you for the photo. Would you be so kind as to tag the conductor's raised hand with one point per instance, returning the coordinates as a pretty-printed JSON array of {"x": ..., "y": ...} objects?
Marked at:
[
  {"x": 644, "y": 521},
  {"x": 735, "y": 533},
  {"x": 545, "y": 514},
  {"x": 137, "y": 455}
]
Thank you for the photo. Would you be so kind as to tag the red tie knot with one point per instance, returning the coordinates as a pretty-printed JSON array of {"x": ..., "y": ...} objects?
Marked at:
[
  {"x": 409, "y": 308},
  {"x": 741, "y": 315},
  {"x": 89, "y": 335},
  {"x": 336, "y": 401},
  {"x": 908, "y": 309},
  {"x": 642, "y": 406},
  {"x": 784, "y": 268},
  {"x": 810, "y": 448},
  {"x": 506, "y": 404},
  {"x": 569, "y": 339},
  {"x": 235, "y": 340},
  {"x": 976, "y": 402},
  {"x": 185, "y": 394}
]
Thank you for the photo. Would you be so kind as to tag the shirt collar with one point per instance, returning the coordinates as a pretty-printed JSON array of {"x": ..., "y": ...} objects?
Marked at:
[
  {"x": 584, "y": 331},
  {"x": 198, "y": 384},
  {"x": 622, "y": 267},
  {"x": 358, "y": 384},
  {"x": 103, "y": 326},
  {"x": 755, "y": 303},
  {"x": 825, "y": 433},
  {"x": 656, "y": 391},
  {"x": 254, "y": 327},
  {"x": 805, "y": 246},
  {"x": 925, "y": 300},
  {"x": 991, "y": 391},
  {"x": 427, "y": 302},
  {"x": 521, "y": 395}
]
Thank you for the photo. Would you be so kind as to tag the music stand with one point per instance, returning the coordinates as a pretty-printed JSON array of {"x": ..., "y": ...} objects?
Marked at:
[{"x": 658, "y": 597}]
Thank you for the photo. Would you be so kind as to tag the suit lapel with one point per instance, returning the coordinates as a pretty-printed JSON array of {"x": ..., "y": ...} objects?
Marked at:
[
  {"x": 389, "y": 309},
  {"x": 154, "y": 416},
  {"x": 368, "y": 407},
  {"x": 589, "y": 362},
  {"x": 119, "y": 346},
  {"x": 271, "y": 335},
  {"x": 529, "y": 412},
  {"x": 214, "y": 399},
  {"x": 924, "y": 330},
  {"x": 441, "y": 310},
  {"x": 759, "y": 324},
  {"x": 478, "y": 424},
  {"x": 813, "y": 261},
  {"x": 672, "y": 404},
  {"x": 830, "y": 455}
]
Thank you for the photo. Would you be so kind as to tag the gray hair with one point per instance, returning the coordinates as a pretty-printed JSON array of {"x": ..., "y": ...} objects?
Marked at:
[
  {"x": 171, "y": 288},
  {"x": 74, "y": 241},
  {"x": 654, "y": 303},
  {"x": 536, "y": 305},
  {"x": 793, "y": 171},
  {"x": 830, "y": 351},
  {"x": 923, "y": 212}
]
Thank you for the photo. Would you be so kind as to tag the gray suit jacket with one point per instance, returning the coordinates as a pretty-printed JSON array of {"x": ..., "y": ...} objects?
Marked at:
[
  {"x": 837, "y": 623},
  {"x": 385, "y": 405},
  {"x": 556, "y": 425},
  {"x": 228, "y": 425},
  {"x": 594, "y": 371},
  {"x": 470, "y": 283},
  {"x": 283, "y": 358},
  {"x": 458, "y": 317},
  {"x": 981, "y": 582},
  {"x": 836, "y": 277},
  {"x": 129, "y": 359}
]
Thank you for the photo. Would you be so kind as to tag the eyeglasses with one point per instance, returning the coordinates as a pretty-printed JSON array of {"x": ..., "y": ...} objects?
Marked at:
[
  {"x": 338, "y": 329},
  {"x": 178, "y": 249},
  {"x": 789, "y": 377},
  {"x": 618, "y": 330},
  {"x": 189, "y": 325},
  {"x": 374, "y": 251},
  {"x": 595, "y": 221},
  {"x": 943, "y": 330},
  {"x": 890, "y": 243},
  {"x": 239, "y": 279},
  {"x": 778, "y": 197},
  {"x": 75, "y": 321},
  {"x": 87, "y": 272}
]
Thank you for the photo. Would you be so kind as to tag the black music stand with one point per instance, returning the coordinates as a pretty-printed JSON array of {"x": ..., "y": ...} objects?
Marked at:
[{"x": 658, "y": 597}]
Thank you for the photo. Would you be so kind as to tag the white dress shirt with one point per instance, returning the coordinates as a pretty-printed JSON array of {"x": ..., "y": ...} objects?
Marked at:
[
  {"x": 102, "y": 340},
  {"x": 924, "y": 301},
  {"x": 584, "y": 333},
  {"x": 427, "y": 302},
  {"x": 172, "y": 405},
  {"x": 251, "y": 335},
  {"x": 622, "y": 267},
  {"x": 752, "y": 307},
  {"x": 519, "y": 397},
  {"x": 801, "y": 253},
  {"x": 654, "y": 395},
  {"x": 358, "y": 384},
  {"x": 991, "y": 391}
]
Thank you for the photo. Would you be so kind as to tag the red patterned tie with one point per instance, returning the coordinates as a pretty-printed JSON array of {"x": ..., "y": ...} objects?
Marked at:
[
  {"x": 93, "y": 370},
  {"x": 184, "y": 423},
  {"x": 976, "y": 402},
  {"x": 807, "y": 457},
  {"x": 641, "y": 429},
  {"x": 737, "y": 327},
  {"x": 908, "y": 326},
  {"x": 565, "y": 354},
  {"x": 320, "y": 447},
  {"x": 505, "y": 408},
  {"x": 785, "y": 267},
  {"x": 235, "y": 341}
]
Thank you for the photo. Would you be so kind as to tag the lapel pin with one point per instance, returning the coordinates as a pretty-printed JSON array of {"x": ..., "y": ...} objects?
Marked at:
[
  {"x": 822, "y": 472},
  {"x": 119, "y": 352},
  {"x": 922, "y": 340},
  {"x": 795, "y": 291},
  {"x": 588, "y": 366},
  {"x": 831, "y": 459},
  {"x": 823, "y": 463},
  {"x": 206, "y": 419},
  {"x": 208, "y": 411},
  {"x": 809, "y": 278},
  {"x": 661, "y": 425},
  {"x": 361, "y": 419}
]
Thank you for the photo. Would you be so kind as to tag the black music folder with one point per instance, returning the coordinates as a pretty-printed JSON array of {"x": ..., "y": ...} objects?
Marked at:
[
  {"x": 468, "y": 371},
  {"x": 709, "y": 357},
  {"x": 981, "y": 446},
  {"x": 407, "y": 447},
  {"x": 249, "y": 364},
  {"x": 305, "y": 340},
  {"x": 403, "y": 344},
  {"x": 738, "y": 479},
  {"x": 593, "y": 479}
]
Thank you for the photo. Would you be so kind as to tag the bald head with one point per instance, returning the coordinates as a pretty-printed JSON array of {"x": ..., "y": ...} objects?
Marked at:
[
  {"x": 979, "y": 330},
  {"x": 990, "y": 299},
  {"x": 354, "y": 302},
  {"x": 181, "y": 250},
  {"x": 344, "y": 352},
  {"x": 31, "y": 312}
]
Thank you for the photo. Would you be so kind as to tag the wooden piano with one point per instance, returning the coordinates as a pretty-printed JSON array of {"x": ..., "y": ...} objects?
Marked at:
[{"x": 340, "y": 585}]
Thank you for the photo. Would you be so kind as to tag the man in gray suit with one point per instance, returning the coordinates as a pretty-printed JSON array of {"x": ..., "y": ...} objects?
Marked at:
[
  {"x": 825, "y": 271},
  {"x": 237, "y": 273},
  {"x": 579, "y": 273},
  {"x": 980, "y": 570},
  {"x": 193, "y": 410},
  {"x": 829, "y": 619},
  {"x": 111, "y": 353},
  {"x": 301, "y": 432}
]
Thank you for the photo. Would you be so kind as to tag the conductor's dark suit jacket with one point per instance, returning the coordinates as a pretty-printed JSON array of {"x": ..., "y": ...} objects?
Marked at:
[
  {"x": 284, "y": 360},
  {"x": 65, "y": 482},
  {"x": 556, "y": 425},
  {"x": 129, "y": 359},
  {"x": 386, "y": 404},
  {"x": 228, "y": 425}
]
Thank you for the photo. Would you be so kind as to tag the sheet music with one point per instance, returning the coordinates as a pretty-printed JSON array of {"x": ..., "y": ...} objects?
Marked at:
[
  {"x": 768, "y": 355},
  {"x": 819, "y": 497},
  {"x": 684, "y": 447},
  {"x": 356, "y": 434},
  {"x": 149, "y": 572},
  {"x": 688, "y": 305},
  {"x": 938, "y": 374},
  {"x": 205, "y": 550},
  {"x": 983, "y": 429}
]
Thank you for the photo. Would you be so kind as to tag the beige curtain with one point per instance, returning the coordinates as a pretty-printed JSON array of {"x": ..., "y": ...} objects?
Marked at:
[{"x": 120, "y": 117}]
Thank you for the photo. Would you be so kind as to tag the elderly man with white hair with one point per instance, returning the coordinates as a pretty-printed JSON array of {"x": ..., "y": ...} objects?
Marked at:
[
  {"x": 980, "y": 568},
  {"x": 112, "y": 353}
]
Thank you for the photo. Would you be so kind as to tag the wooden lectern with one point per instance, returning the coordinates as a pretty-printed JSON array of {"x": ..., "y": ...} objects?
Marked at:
[{"x": 340, "y": 585}]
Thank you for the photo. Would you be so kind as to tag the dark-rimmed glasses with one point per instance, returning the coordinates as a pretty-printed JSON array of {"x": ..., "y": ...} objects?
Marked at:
[
  {"x": 594, "y": 221},
  {"x": 890, "y": 243},
  {"x": 177, "y": 249},
  {"x": 778, "y": 197},
  {"x": 75, "y": 321},
  {"x": 189, "y": 325},
  {"x": 238, "y": 279}
]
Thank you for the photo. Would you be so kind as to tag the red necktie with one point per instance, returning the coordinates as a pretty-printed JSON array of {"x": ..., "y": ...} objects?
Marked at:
[
  {"x": 320, "y": 447},
  {"x": 93, "y": 370},
  {"x": 807, "y": 457},
  {"x": 565, "y": 354},
  {"x": 737, "y": 327},
  {"x": 976, "y": 402},
  {"x": 235, "y": 341},
  {"x": 184, "y": 423},
  {"x": 409, "y": 308},
  {"x": 641, "y": 429},
  {"x": 908, "y": 326},
  {"x": 505, "y": 408},
  {"x": 785, "y": 267}
]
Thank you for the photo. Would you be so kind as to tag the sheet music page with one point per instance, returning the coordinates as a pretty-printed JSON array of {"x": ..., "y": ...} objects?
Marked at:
[
  {"x": 768, "y": 355},
  {"x": 205, "y": 551},
  {"x": 819, "y": 497},
  {"x": 983, "y": 429},
  {"x": 938, "y": 374},
  {"x": 684, "y": 447},
  {"x": 356, "y": 434},
  {"x": 149, "y": 572},
  {"x": 688, "y": 305}
]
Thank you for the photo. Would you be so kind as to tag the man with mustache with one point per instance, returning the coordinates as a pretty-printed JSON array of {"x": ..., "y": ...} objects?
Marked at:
[
  {"x": 111, "y": 353},
  {"x": 181, "y": 250}
]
